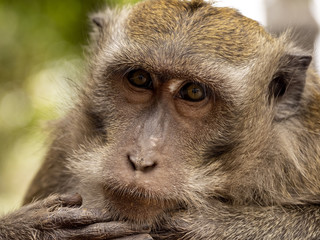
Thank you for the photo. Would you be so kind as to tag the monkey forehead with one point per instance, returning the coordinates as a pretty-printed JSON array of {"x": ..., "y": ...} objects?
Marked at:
[{"x": 197, "y": 27}]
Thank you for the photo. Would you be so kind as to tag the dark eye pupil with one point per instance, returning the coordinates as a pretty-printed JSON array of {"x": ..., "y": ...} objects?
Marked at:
[
  {"x": 194, "y": 92},
  {"x": 140, "y": 78}
]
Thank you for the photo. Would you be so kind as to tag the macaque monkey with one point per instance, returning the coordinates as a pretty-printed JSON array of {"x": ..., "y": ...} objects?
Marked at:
[{"x": 194, "y": 123}]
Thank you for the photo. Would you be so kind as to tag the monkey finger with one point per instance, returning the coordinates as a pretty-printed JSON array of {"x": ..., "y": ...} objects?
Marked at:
[
  {"x": 107, "y": 230},
  {"x": 136, "y": 237},
  {"x": 66, "y": 218},
  {"x": 54, "y": 201},
  {"x": 71, "y": 200}
]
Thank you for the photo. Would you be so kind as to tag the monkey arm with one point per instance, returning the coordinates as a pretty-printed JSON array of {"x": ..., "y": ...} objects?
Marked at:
[
  {"x": 223, "y": 221},
  {"x": 60, "y": 217}
]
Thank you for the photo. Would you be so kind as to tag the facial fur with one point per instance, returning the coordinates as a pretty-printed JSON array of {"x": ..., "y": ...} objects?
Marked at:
[{"x": 150, "y": 151}]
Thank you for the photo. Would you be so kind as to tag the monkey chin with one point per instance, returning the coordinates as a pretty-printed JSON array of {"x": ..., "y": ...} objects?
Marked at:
[{"x": 138, "y": 205}]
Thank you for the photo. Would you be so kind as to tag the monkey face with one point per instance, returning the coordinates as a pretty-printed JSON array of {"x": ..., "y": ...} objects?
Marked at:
[
  {"x": 159, "y": 115},
  {"x": 174, "y": 108},
  {"x": 152, "y": 140}
]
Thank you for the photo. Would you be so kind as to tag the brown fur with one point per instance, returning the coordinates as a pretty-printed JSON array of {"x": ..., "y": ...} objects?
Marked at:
[{"x": 242, "y": 164}]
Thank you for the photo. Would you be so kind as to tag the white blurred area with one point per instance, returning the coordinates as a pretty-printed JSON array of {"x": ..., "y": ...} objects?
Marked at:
[
  {"x": 315, "y": 9},
  {"x": 256, "y": 10},
  {"x": 251, "y": 8}
]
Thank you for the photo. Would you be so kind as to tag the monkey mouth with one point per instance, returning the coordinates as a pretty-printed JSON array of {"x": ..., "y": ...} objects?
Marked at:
[
  {"x": 138, "y": 194},
  {"x": 137, "y": 204}
]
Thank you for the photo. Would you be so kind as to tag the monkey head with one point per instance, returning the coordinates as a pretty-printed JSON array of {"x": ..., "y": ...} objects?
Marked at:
[{"x": 183, "y": 104}]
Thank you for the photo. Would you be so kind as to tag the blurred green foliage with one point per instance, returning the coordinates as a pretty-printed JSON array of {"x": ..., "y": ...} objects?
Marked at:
[{"x": 41, "y": 46}]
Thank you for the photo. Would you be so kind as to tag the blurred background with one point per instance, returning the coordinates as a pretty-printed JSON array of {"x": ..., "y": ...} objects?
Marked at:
[{"x": 41, "y": 53}]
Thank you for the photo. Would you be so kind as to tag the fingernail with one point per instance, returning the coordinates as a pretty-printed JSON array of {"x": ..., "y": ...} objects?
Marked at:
[
  {"x": 73, "y": 198},
  {"x": 146, "y": 228},
  {"x": 76, "y": 197}
]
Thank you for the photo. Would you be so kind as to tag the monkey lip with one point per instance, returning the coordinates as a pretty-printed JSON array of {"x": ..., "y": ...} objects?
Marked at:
[
  {"x": 131, "y": 191},
  {"x": 138, "y": 204},
  {"x": 138, "y": 196}
]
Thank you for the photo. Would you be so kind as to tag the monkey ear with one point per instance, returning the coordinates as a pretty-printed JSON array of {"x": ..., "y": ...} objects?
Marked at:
[
  {"x": 98, "y": 25},
  {"x": 287, "y": 85},
  {"x": 98, "y": 21}
]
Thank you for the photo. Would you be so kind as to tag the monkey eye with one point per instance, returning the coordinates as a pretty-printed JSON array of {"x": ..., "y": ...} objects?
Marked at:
[
  {"x": 140, "y": 78},
  {"x": 194, "y": 92}
]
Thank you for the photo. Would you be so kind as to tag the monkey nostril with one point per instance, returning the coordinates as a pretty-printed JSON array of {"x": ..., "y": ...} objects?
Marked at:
[
  {"x": 131, "y": 163},
  {"x": 149, "y": 168},
  {"x": 140, "y": 164}
]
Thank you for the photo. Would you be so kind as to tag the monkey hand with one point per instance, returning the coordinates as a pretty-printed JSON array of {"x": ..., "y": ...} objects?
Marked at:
[{"x": 60, "y": 217}]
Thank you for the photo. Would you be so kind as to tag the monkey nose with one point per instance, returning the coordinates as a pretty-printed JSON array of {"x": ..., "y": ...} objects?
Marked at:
[{"x": 141, "y": 164}]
